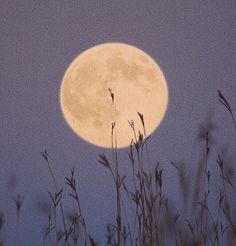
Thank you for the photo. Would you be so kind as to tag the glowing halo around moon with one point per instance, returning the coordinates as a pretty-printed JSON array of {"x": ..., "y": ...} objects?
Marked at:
[{"x": 110, "y": 83}]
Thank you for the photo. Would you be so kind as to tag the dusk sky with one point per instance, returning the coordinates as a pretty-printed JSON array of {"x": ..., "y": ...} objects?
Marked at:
[{"x": 194, "y": 43}]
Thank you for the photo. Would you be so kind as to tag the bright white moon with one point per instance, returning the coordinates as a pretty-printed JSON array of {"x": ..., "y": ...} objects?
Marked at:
[{"x": 134, "y": 78}]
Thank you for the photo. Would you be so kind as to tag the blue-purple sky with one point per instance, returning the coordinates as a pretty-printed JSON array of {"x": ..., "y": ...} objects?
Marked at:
[{"x": 194, "y": 42}]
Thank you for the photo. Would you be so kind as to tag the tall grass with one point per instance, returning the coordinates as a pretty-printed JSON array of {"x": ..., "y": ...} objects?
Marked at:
[{"x": 145, "y": 215}]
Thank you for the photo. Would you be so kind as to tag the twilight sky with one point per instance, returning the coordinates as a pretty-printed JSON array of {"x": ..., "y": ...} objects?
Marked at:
[{"x": 192, "y": 41}]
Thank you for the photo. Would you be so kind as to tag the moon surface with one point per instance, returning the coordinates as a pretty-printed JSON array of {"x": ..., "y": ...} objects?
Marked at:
[{"x": 110, "y": 83}]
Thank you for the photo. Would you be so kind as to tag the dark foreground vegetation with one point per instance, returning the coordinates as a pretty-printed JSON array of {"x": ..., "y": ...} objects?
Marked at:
[{"x": 207, "y": 215}]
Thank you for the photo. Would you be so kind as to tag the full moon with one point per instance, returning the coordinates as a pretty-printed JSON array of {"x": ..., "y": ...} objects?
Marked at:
[{"x": 110, "y": 83}]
